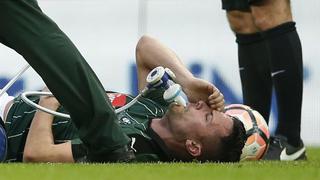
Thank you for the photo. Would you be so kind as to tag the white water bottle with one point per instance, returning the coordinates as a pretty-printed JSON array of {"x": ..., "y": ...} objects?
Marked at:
[{"x": 174, "y": 94}]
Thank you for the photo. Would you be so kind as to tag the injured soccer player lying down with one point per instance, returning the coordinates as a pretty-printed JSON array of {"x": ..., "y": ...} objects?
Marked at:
[{"x": 157, "y": 130}]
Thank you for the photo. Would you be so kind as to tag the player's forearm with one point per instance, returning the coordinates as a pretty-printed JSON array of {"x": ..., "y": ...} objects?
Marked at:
[
  {"x": 40, "y": 145},
  {"x": 150, "y": 53},
  {"x": 40, "y": 136}
]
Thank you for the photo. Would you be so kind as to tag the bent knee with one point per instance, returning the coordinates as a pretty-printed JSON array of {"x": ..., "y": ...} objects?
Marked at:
[
  {"x": 271, "y": 14},
  {"x": 241, "y": 22},
  {"x": 267, "y": 22}
]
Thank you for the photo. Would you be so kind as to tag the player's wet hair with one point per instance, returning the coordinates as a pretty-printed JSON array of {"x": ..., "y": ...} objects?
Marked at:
[{"x": 230, "y": 147}]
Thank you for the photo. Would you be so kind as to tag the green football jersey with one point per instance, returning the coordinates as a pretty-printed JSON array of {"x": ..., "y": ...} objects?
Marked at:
[{"x": 134, "y": 121}]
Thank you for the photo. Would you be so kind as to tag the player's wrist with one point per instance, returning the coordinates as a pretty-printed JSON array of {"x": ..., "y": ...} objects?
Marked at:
[
  {"x": 49, "y": 102},
  {"x": 187, "y": 83}
]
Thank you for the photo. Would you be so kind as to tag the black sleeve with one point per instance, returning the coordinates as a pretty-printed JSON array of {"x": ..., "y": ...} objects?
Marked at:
[
  {"x": 157, "y": 96},
  {"x": 79, "y": 151},
  {"x": 254, "y": 1}
]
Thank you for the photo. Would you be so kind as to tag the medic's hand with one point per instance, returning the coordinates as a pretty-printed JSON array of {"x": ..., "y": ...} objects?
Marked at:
[{"x": 199, "y": 89}]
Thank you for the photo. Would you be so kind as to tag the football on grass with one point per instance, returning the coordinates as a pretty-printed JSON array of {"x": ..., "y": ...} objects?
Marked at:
[{"x": 257, "y": 131}]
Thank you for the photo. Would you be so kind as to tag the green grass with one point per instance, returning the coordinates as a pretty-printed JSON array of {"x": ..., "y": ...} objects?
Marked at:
[{"x": 302, "y": 170}]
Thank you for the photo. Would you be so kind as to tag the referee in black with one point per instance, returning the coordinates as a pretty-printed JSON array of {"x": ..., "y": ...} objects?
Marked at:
[
  {"x": 27, "y": 30},
  {"x": 270, "y": 54}
]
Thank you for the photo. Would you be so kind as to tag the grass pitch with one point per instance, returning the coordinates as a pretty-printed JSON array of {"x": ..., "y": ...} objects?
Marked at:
[{"x": 169, "y": 171}]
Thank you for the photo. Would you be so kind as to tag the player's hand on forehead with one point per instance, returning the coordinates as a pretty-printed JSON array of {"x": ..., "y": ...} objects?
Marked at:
[{"x": 199, "y": 89}]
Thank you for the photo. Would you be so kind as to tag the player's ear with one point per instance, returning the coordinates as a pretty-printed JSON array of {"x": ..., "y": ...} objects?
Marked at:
[{"x": 193, "y": 147}]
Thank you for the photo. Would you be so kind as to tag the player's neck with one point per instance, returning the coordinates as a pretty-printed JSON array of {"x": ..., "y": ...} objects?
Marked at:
[{"x": 160, "y": 126}]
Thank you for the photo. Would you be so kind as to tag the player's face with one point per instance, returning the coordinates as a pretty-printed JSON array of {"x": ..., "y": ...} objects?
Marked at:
[{"x": 197, "y": 120}]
